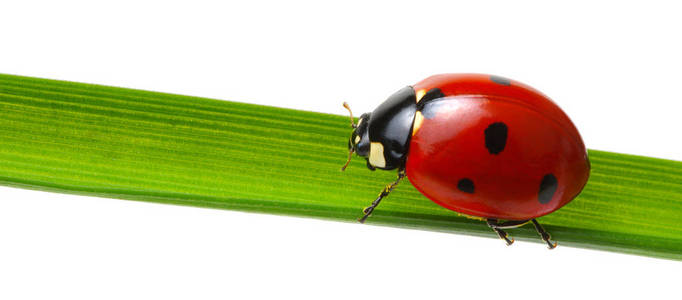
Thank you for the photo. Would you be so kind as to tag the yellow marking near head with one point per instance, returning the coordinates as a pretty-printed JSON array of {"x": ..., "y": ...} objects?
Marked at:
[
  {"x": 357, "y": 139},
  {"x": 418, "y": 120},
  {"x": 376, "y": 155},
  {"x": 420, "y": 94}
]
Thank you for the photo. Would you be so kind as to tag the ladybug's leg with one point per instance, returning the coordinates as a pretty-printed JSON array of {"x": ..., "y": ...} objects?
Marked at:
[
  {"x": 492, "y": 223},
  {"x": 545, "y": 236},
  {"x": 368, "y": 210},
  {"x": 495, "y": 225},
  {"x": 510, "y": 224}
]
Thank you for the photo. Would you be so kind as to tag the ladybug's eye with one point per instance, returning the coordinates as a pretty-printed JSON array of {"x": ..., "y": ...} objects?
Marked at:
[
  {"x": 352, "y": 141},
  {"x": 359, "y": 139},
  {"x": 360, "y": 136}
]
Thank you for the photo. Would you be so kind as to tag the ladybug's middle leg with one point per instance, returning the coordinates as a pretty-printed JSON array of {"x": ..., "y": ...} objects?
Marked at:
[
  {"x": 497, "y": 227},
  {"x": 368, "y": 210}
]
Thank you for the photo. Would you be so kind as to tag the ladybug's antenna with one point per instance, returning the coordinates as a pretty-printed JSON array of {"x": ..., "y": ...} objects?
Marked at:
[
  {"x": 350, "y": 155},
  {"x": 352, "y": 122}
]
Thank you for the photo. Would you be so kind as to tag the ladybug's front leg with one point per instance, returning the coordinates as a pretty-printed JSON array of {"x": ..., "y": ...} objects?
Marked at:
[{"x": 368, "y": 210}]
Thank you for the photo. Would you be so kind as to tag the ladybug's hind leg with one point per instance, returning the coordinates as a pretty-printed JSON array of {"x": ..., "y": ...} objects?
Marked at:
[
  {"x": 545, "y": 236},
  {"x": 497, "y": 227}
]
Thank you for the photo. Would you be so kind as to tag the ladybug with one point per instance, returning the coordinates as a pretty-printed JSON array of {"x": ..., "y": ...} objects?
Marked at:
[{"x": 481, "y": 145}]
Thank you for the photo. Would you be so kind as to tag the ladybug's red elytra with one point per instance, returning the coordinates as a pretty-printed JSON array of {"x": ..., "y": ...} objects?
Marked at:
[{"x": 481, "y": 145}]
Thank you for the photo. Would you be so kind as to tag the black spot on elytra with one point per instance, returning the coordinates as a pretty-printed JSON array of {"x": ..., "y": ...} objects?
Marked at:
[
  {"x": 432, "y": 94},
  {"x": 548, "y": 187},
  {"x": 500, "y": 80},
  {"x": 495, "y": 137},
  {"x": 466, "y": 185}
]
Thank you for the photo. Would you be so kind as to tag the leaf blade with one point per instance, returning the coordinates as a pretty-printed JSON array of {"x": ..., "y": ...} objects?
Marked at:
[{"x": 121, "y": 143}]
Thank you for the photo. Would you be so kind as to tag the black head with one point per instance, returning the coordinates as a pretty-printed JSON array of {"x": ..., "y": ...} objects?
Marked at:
[
  {"x": 359, "y": 139},
  {"x": 383, "y": 136}
]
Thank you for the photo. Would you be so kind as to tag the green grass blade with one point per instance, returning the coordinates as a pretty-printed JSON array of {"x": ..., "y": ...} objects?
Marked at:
[{"x": 114, "y": 142}]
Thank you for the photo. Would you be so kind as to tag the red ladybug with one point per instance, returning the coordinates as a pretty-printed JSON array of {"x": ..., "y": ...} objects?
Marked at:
[{"x": 481, "y": 145}]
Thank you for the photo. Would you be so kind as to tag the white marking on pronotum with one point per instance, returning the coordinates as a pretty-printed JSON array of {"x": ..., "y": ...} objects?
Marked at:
[
  {"x": 376, "y": 155},
  {"x": 418, "y": 120},
  {"x": 420, "y": 94}
]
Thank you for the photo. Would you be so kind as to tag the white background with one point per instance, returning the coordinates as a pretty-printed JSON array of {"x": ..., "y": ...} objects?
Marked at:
[{"x": 614, "y": 68}]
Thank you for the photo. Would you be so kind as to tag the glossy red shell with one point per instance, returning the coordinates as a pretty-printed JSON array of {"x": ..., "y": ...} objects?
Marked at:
[{"x": 450, "y": 146}]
